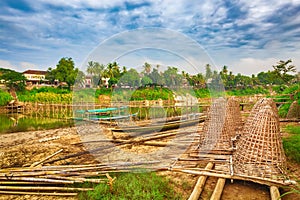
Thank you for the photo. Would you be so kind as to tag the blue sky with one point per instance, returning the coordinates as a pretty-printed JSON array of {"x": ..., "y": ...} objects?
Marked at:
[{"x": 247, "y": 36}]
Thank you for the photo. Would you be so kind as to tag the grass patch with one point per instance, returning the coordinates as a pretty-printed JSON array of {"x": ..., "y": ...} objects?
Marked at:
[
  {"x": 133, "y": 186},
  {"x": 291, "y": 144}
]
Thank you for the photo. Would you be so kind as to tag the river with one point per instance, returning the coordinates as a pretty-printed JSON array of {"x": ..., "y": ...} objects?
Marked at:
[{"x": 10, "y": 123}]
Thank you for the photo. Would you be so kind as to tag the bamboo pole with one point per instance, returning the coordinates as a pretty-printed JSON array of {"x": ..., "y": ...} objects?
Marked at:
[
  {"x": 47, "y": 158},
  {"x": 33, "y": 179},
  {"x": 37, "y": 193},
  {"x": 274, "y": 192},
  {"x": 200, "y": 184},
  {"x": 263, "y": 181},
  {"x": 218, "y": 189},
  {"x": 33, "y": 188}
]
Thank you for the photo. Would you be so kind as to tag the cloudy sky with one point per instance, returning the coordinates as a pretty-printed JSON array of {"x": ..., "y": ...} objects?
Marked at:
[{"x": 247, "y": 36}]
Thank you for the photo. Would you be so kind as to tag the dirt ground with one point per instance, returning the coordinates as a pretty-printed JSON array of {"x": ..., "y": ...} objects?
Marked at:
[{"x": 26, "y": 148}]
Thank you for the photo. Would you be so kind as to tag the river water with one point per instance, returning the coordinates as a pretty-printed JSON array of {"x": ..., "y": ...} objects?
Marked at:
[{"x": 10, "y": 123}]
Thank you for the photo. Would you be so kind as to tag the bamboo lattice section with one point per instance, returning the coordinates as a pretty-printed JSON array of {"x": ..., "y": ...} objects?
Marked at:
[
  {"x": 294, "y": 111},
  {"x": 260, "y": 152},
  {"x": 223, "y": 120},
  {"x": 256, "y": 108},
  {"x": 233, "y": 114}
]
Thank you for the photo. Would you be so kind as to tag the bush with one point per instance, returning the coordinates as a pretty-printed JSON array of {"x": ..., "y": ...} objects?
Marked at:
[
  {"x": 152, "y": 93},
  {"x": 247, "y": 91},
  {"x": 5, "y": 97}
]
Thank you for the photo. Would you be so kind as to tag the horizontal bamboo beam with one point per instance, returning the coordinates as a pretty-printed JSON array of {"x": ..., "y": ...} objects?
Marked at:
[
  {"x": 38, "y": 188},
  {"x": 37, "y": 193},
  {"x": 263, "y": 181}
]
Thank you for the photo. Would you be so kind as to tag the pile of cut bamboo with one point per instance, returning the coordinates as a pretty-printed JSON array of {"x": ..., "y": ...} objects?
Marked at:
[{"x": 59, "y": 180}]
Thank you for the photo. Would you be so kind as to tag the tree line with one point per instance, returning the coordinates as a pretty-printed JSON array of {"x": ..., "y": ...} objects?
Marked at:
[{"x": 66, "y": 72}]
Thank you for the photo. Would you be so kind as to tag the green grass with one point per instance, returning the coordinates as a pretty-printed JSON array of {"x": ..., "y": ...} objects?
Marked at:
[
  {"x": 291, "y": 144},
  {"x": 143, "y": 186}
]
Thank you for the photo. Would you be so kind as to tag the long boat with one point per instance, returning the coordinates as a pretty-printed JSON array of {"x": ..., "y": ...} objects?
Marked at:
[
  {"x": 101, "y": 110},
  {"x": 160, "y": 127}
]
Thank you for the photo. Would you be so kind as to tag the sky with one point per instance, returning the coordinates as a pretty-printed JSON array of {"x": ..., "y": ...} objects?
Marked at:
[{"x": 247, "y": 36}]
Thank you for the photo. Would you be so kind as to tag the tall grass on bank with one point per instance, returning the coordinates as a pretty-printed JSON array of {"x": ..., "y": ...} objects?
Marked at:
[
  {"x": 145, "y": 186},
  {"x": 291, "y": 144},
  {"x": 5, "y": 97}
]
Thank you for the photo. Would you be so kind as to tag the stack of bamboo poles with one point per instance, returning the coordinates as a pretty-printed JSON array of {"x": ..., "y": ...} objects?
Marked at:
[
  {"x": 260, "y": 152},
  {"x": 59, "y": 180}
]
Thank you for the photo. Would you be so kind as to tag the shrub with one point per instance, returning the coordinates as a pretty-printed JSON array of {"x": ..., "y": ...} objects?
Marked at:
[{"x": 5, "y": 97}]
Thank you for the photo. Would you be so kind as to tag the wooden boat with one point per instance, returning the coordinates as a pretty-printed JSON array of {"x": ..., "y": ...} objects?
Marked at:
[{"x": 161, "y": 127}]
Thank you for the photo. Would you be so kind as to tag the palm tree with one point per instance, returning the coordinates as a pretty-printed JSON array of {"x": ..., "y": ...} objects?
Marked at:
[{"x": 147, "y": 68}]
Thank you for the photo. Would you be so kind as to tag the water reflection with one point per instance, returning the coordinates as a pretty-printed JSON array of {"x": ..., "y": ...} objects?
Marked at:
[{"x": 10, "y": 123}]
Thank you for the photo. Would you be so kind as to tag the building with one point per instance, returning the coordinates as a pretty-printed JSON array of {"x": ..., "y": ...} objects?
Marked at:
[{"x": 35, "y": 77}]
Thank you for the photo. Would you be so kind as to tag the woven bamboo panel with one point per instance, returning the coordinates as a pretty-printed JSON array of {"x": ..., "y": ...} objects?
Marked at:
[
  {"x": 294, "y": 111},
  {"x": 233, "y": 113},
  {"x": 256, "y": 108},
  {"x": 221, "y": 125},
  {"x": 260, "y": 152}
]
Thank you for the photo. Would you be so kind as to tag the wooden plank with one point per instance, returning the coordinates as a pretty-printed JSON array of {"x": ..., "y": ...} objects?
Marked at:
[
  {"x": 218, "y": 189},
  {"x": 200, "y": 184},
  {"x": 274, "y": 192}
]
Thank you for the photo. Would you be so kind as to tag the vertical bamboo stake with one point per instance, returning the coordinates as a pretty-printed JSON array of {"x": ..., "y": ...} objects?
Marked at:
[
  {"x": 218, "y": 189},
  {"x": 200, "y": 184},
  {"x": 274, "y": 192}
]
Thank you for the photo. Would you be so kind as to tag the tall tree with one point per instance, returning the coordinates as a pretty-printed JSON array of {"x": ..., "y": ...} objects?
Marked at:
[
  {"x": 283, "y": 68},
  {"x": 14, "y": 80},
  {"x": 147, "y": 68},
  {"x": 97, "y": 70},
  {"x": 208, "y": 72},
  {"x": 131, "y": 78},
  {"x": 65, "y": 71}
]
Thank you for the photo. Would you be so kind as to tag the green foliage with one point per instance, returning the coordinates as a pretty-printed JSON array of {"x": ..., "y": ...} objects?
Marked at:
[
  {"x": 5, "y": 97},
  {"x": 279, "y": 88},
  {"x": 144, "y": 186},
  {"x": 291, "y": 144},
  {"x": 46, "y": 94},
  {"x": 283, "y": 68},
  {"x": 65, "y": 71},
  {"x": 247, "y": 91},
  {"x": 202, "y": 93},
  {"x": 152, "y": 93},
  {"x": 130, "y": 78},
  {"x": 293, "y": 90},
  {"x": 14, "y": 80},
  {"x": 146, "y": 80}
]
